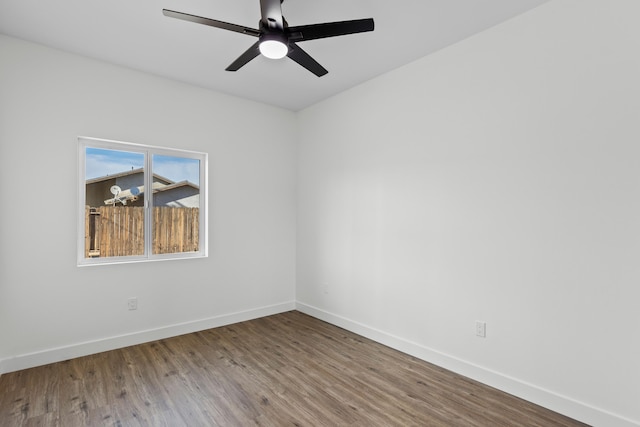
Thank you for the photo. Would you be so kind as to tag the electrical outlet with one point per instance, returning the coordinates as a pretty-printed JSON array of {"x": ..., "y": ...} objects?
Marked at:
[
  {"x": 481, "y": 329},
  {"x": 132, "y": 303}
]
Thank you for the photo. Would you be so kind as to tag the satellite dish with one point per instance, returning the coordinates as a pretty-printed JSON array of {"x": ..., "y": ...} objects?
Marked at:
[
  {"x": 135, "y": 191},
  {"x": 115, "y": 190}
]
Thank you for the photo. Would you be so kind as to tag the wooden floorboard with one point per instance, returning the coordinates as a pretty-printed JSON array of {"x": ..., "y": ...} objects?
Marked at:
[{"x": 283, "y": 370}]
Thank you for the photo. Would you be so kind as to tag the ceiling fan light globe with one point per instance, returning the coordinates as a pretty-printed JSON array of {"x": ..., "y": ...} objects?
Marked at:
[{"x": 273, "y": 49}]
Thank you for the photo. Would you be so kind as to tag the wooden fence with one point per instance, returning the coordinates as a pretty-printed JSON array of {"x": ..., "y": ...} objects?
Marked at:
[{"x": 119, "y": 230}]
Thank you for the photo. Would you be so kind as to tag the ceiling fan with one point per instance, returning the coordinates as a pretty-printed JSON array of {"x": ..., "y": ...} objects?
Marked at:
[{"x": 276, "y": 39}]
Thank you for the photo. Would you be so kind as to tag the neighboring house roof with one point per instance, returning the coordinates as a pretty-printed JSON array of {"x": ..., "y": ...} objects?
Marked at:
[
  {"x": 174, "y": 186},
  {"x": 156, "y": 177}
]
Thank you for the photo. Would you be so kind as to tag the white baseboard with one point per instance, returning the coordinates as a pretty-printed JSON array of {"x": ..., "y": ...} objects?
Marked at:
[
  {"x": 59, "y": 354},
  {"x": 530, "y": 392}
]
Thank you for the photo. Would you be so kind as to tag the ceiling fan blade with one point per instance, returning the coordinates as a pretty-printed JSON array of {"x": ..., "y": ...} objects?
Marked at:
[
  {"x": 247, "y": 56},
  {"x": 211, "y": 22},
  {"x": 329, "y": 29},
  {"x": 301, "y": 57},
  {"x": 272, "y": 14}
]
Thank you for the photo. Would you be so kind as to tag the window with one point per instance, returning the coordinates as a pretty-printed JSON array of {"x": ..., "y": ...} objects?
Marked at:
[{"x": 139, "y": 202}]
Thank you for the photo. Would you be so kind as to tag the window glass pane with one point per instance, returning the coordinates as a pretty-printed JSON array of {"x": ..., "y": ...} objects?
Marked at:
[
  {"x": 176, "y": 204},
  {"x": 114, "y": 203}
]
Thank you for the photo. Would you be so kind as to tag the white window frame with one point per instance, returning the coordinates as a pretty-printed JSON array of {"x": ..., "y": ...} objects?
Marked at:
[{"x": 148, "y": 151}]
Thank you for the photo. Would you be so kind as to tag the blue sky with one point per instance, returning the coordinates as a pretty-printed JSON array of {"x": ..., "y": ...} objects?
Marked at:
[{"x": 102, "y": 162}]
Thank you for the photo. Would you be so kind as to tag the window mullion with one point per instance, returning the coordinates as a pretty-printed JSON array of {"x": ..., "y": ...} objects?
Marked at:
[{"x": 148, "y": 204}]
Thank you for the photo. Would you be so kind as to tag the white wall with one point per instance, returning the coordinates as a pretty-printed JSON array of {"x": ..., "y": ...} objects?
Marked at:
[
  {"x": 50, "y": 309},
  {"x": 496, "y": 180}
]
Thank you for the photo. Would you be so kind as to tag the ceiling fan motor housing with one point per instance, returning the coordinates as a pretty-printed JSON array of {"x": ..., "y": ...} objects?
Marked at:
[{"x": 273, "y": 42}]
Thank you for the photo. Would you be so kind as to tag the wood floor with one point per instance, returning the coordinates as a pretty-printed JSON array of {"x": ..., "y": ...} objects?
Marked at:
[{"x": 284, "y": 370}]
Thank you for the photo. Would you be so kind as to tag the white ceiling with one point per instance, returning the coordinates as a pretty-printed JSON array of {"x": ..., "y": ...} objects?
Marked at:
[{"x": 135, "y": 34}]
